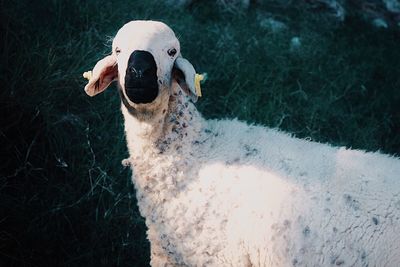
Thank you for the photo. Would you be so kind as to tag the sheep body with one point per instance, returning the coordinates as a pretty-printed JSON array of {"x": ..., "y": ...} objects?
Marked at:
[{"x": 224, "y": 193}]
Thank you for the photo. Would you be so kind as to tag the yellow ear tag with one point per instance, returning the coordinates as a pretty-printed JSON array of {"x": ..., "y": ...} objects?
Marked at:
[
  {"x": 87, "y": 75},
  {"x": 199, "y": 78}
]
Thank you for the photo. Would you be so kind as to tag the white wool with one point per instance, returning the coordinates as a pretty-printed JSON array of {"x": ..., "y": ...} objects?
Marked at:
[
  {"x": 237, "y": 194},
  {"x": 225, "y": 193}
]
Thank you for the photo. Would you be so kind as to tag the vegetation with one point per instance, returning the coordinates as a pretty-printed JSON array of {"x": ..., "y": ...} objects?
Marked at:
[{"x": 66, "y": 200}]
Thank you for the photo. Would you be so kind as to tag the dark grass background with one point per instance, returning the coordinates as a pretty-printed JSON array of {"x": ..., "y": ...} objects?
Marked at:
[{"x": 65, "y": 199}]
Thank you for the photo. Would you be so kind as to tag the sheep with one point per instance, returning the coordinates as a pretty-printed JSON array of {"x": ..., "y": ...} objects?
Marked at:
[{"x": 225, "y": 193}]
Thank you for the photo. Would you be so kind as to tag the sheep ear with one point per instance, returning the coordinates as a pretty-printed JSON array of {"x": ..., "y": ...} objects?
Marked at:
[
  {"x": 184, "y": 74},
  {"x": 103, "y": 74}
]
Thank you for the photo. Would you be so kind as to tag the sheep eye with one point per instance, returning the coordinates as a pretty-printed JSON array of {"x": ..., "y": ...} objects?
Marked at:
[
  {"x": 171, "y": 52},
  {"x": 117, "y": 50}
]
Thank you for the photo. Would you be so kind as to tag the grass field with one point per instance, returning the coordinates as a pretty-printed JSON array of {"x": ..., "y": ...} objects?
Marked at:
[{"x": 65, "y": 199}]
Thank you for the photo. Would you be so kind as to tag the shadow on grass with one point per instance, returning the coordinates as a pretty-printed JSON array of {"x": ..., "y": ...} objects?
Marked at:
[{"x": 54, "y": 215}]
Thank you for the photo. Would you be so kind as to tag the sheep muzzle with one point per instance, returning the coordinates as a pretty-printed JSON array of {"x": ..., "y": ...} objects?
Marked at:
[{"x": 141, "y": 84}]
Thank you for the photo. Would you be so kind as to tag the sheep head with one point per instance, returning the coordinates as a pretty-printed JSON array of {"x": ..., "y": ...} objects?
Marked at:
[{"x": 146, "y": 62}]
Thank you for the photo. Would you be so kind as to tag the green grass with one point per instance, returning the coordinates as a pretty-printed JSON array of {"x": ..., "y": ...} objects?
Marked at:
[{"x": 65, "y": 199}]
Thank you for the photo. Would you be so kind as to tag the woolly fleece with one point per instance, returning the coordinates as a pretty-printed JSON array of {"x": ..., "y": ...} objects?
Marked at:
[{"x": 225, "y": 193}]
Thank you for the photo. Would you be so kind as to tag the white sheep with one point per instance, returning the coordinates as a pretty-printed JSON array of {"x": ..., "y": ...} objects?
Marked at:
[{"x": 225, "y": 193}]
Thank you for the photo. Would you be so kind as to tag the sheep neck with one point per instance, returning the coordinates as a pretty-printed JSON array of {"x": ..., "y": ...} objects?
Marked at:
[{"x": 160, "y": 146}]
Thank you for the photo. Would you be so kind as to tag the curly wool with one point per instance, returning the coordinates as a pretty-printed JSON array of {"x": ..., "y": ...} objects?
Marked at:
[{"x": 225, "y": 193}]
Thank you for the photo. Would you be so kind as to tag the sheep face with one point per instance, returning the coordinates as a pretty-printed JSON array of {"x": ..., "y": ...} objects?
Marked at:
[
  {"x": 146, "y": 61},
  {"x": 145, "y": 52}
]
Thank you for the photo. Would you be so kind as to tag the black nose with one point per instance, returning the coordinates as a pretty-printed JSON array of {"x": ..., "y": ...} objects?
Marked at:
[{"x": 141, "y": 84}]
